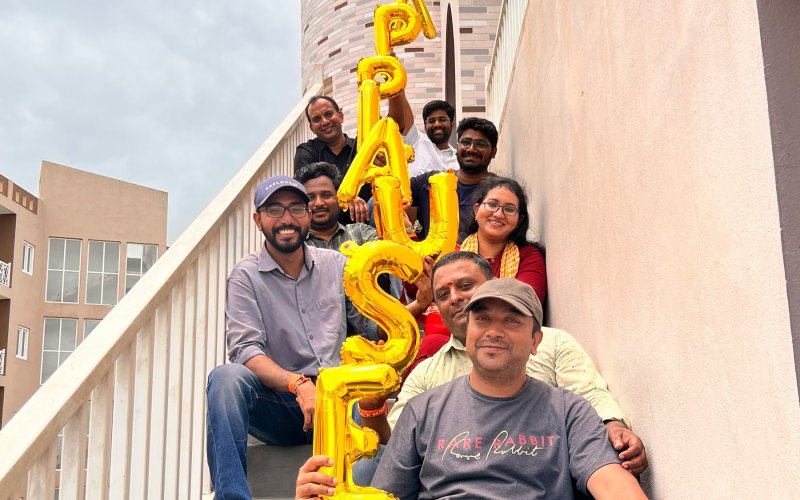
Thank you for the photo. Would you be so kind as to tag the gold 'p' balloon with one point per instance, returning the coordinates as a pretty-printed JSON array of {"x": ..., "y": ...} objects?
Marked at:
[
  {"x": 400, "y": 25},
  {"x": 370, "y": 91}
]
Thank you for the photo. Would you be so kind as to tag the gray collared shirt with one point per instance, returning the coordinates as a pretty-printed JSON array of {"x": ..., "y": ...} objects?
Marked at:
[
  {"x": 299, "y": 324},
  {"x": 357, "y": 231}
]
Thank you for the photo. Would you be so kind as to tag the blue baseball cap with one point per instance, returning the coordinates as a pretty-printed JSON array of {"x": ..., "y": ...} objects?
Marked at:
[{"x": 274, "y": 184}]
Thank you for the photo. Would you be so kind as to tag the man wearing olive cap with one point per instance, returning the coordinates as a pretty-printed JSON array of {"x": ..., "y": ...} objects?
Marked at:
[{"x": 496, "y": 433}]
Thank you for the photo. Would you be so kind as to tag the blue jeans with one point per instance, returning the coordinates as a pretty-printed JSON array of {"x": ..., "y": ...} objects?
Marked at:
[
  {"x": 364, "y": 469},
  {"x": 239, "y": 403}
]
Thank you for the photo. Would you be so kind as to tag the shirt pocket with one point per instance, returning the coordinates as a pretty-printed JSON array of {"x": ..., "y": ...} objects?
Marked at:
[{"x": 332, "y": 316}]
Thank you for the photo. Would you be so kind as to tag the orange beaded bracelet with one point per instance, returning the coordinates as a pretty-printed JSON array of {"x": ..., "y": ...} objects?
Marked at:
[
  {"x": 294, "y": 384},
  {"x": 373, "y": 413}
]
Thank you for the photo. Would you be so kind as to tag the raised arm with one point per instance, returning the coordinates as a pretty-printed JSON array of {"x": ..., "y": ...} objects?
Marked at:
[{"x": 400, "y": 111}]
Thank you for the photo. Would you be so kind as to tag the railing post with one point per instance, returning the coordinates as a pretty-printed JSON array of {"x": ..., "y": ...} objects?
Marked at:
[
  {"x": 73, "y": 456},
  {"x": 97, "y": 467},
  {"x": 140, "y": 440},
  {"x": 121, "y": 423}
]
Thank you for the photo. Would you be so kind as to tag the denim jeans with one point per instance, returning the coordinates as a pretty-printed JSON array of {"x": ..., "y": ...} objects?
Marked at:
[
  {"x": 364, "y": 469},
  {"x": 239, "y": 403}
]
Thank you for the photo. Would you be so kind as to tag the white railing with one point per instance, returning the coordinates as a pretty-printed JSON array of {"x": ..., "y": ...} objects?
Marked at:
[
  {"x": 499, "y": 70},
  {"x": 144, "y": 367},
  {"x": 5, "y": 273}
]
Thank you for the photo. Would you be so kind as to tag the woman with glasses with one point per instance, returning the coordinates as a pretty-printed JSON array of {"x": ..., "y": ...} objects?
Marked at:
[
  {"x": 498, "y": 233},
  {"x": 499, "y": 230}
]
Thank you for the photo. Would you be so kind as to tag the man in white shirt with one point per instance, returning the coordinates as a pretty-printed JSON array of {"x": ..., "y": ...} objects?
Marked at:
[{"x": 432, "y": 150}]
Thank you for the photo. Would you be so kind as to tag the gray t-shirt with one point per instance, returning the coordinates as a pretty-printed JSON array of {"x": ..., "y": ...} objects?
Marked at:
[{"x": 452, "y": 442}]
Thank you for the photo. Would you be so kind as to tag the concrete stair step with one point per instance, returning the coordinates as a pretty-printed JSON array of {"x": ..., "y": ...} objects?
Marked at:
[{"x": 272, "y": 470}]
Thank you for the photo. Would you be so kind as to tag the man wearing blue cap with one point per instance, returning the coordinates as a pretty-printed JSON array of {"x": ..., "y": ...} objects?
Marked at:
[{"x": 285, "y": 318}]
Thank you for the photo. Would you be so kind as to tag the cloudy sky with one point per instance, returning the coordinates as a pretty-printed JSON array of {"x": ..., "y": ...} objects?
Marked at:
[{"x": 171, "y": 95}]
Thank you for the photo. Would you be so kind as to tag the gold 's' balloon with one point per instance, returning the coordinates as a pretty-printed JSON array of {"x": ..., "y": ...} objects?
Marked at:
[{"x": 364, "y": 264}]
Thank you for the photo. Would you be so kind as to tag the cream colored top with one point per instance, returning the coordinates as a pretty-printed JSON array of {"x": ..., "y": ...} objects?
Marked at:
[{"x": 559, "y": 361}]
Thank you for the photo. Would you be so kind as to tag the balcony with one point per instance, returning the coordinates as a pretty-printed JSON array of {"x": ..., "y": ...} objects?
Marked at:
[{"x": 5, "y": 273}]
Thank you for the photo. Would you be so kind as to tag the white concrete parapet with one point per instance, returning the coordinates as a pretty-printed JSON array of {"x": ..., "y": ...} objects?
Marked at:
[
  {"x": 501, "y": 67},
  {"x": 137, "y": 384}
]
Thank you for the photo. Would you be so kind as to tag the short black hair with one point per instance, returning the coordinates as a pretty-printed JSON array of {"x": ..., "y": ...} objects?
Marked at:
[
  {"x": 482, "y": 125},
  {"x": 317, "y": 98},
  {"x": 436, "y": 106},
  {"x": 483, "y": 264},
  {"x": 318, "y": 169}
]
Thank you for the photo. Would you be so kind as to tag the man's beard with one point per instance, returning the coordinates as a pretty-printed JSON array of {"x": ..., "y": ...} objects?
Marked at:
[
  {"x": 441, "y": 138},
  {"x": 473, "y": 169},
  {"x": 289, "y": 247}
]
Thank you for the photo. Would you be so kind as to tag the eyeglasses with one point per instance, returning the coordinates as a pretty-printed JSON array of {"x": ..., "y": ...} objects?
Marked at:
[
  {"x": 433, "y": 120},
  {"x": 277, "y": 211},
  {"x": 492, "y": 206},
  {"x": 466, "y": 142}
]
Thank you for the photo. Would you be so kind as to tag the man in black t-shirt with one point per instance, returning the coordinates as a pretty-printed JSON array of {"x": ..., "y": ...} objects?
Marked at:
[{"x": 333, "y": 146}]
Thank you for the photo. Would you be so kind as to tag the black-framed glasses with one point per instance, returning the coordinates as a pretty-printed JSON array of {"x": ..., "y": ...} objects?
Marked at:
[
  {"x": 493, "y": 206},
  {"x": 433, "y": 120},
  {"x": 466, "y": 142},
  {"x": 277, "y": 211}
]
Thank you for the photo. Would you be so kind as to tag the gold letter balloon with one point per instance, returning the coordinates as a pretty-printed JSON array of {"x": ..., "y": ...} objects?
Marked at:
[{"x": 369, "y": 369}]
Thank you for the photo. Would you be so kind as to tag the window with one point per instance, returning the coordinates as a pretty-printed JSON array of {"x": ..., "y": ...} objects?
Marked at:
[
  {"x": 27, "y": 258},
  {"x": 139, "y": 260},
  {"x": 88, "y": 326},
  {"x": 60, "y": 335},
  {"x": 102, "y": 274},
  {"x": 63, "y": 270},
  {"x": 22, "y": 342}
]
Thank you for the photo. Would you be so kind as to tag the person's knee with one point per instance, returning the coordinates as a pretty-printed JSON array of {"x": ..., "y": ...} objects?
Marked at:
[{"x": 228, "y": 379}]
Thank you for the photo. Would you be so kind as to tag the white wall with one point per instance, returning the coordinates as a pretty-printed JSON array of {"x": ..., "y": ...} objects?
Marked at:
[{"x": 641, "y": 130}]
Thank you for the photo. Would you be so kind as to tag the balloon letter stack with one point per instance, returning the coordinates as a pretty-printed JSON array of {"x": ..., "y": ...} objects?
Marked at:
[{"x": 368, "y": 369}]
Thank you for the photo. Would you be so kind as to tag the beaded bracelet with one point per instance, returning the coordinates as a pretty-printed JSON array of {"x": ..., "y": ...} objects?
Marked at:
[
  {"x": 294, "y": 384},
  {"x": 373, "y": 413}
]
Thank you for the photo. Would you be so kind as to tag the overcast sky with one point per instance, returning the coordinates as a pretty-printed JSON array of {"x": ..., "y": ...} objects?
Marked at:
[{"x": 175, "y": 95}]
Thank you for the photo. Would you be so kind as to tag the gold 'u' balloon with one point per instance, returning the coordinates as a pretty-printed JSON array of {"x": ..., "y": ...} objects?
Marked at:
[{"x": 368, "y": 369}]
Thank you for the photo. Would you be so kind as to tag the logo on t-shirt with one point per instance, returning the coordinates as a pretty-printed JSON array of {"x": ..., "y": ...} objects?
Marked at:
[{"x": 465, "y": 447}]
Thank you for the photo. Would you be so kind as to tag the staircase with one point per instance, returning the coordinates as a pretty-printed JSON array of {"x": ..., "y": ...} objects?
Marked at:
[{"x": 136, "y": 386}]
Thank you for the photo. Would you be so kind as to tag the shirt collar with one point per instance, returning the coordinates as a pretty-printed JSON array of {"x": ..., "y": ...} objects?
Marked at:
[
  {"x": 266, "y": 263},
  {"x": 339, "y": 229},
  {"x": 454, "y": 344},
  {"x": 349, "y": 142}
]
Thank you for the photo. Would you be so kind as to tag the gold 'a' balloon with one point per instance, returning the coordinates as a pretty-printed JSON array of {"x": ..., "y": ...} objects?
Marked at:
[{"x": 369, "y": 369}]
